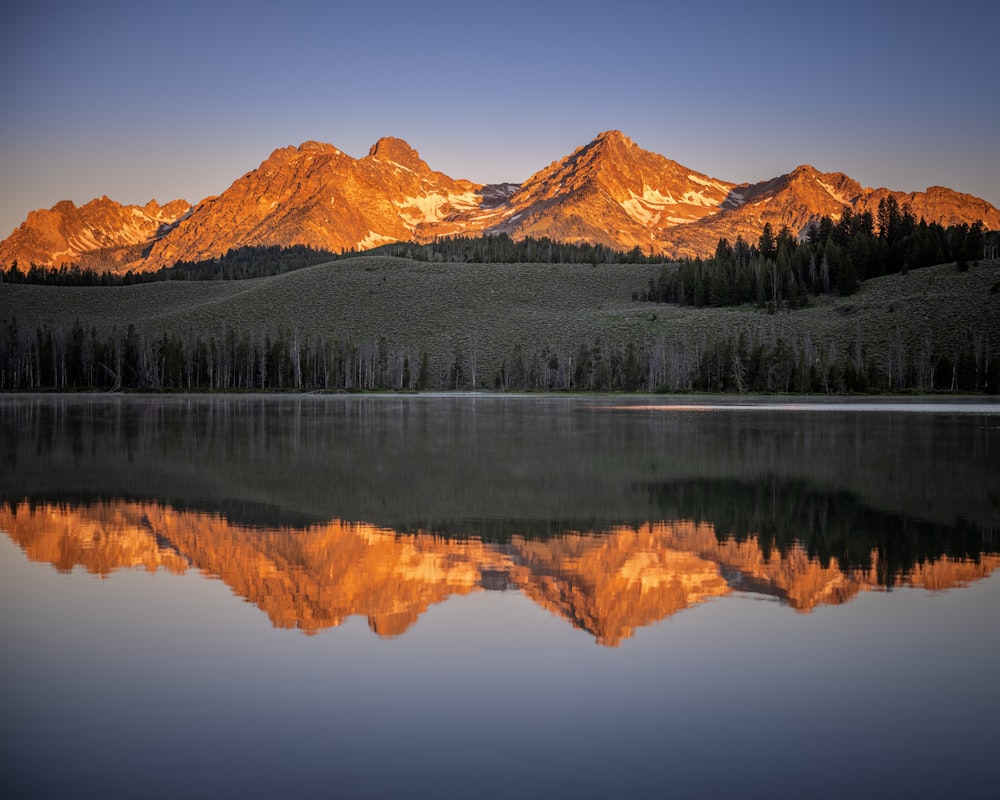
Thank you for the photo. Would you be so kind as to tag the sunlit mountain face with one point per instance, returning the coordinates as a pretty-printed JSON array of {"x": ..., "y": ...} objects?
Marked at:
[
  {"x": 609, "y": 583},
  {"x": 609, "y": 191}
]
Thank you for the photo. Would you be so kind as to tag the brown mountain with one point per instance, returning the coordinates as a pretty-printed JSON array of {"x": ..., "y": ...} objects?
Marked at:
[
  {"x": 609, "y": 191},
  {"x": 101, "y": 234},
  {"x": 613, "y": 192},
  {"x": 316, "y": 195},
  {"x": 805, "y": 194}
]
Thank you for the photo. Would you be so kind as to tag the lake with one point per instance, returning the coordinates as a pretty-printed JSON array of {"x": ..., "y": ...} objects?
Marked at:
[{"x": 498, "y": 596}]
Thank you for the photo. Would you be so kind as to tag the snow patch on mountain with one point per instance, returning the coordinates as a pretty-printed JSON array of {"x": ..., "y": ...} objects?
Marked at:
[
  {"x": 83, "y": 241},
  {"x": 699, "y": 199},
  {"x": 640, "y": 213},
  {"x": 400, "y": 166},
  {"x": 647, "y": 208},
  {"x": 426, "y": 208},
  {"x": 709, "y": 183},
  {"x": 464, "y": 200},
  {"x": 373, "y": 240},
  {"x": 834, "y": 193},
  {"x": 433, "y": 207}
]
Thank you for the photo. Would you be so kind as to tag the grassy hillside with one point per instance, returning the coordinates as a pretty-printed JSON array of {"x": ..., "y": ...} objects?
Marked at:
[{"x": 486, "y": 310}]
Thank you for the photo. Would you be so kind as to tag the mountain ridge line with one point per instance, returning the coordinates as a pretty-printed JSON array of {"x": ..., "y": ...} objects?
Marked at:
[{"x": 609, "y": 191}]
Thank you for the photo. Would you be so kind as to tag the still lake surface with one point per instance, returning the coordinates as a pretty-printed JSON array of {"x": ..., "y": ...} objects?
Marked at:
[{"x": 478, "y": 596}]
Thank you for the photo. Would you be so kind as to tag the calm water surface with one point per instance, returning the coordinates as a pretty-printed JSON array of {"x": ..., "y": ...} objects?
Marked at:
[{"x": 473, "y": 596}]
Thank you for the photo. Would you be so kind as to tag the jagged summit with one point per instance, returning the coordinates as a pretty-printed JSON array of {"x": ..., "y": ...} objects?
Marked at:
[
  {"x": 613, "y": 192},
  {"x": 613, "y": 137},
  {"x": 313, "y": 146},
  {"x": 608, "y": 191},
  {"x": 389, "y": 148},
  {"x": 101, "y": 234}
]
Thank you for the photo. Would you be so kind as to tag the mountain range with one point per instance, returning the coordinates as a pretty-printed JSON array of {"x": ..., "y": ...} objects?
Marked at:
[{"x": 609, "y": 192}]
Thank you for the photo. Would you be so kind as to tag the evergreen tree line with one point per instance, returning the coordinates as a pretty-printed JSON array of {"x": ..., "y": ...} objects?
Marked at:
[
  {"x": 835, "y": 257},
  {"x": 502, "y": 249},
  {"x": 259, "y": 261},
  {"x": 237, "y": 263},
  {"x": 72, "y": 357}
]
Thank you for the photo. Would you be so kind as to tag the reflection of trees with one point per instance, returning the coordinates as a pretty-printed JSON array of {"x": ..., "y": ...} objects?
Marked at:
[
  {"x": 781, "y": 515},
  {"x": 491, "y": 467}
]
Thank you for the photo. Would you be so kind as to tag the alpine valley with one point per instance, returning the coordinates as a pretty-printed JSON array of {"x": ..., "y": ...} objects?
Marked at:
[{"x": 609, "y": 192}]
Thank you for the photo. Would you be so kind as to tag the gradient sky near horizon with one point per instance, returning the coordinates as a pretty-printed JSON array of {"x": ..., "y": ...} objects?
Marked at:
[{"x": 138, "y": 101}]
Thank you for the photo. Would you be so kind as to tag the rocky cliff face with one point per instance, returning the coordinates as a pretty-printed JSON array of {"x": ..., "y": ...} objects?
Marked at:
[
  {"x": 609, "y": 191},
  {"x": 609, "y": 584},
  {"x": 102, "y": 234},
  {"x": 316, "y": 195},
  {"x": 801, "y": 197},
  {"x": 613, "y": 192}
]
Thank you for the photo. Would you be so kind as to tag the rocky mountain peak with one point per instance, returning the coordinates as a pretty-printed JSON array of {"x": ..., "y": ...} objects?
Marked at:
[
  {"x": 101, "y": 234},
  {"x": 389, "y": 148},
  {"x": 614, "y": 138},
  {"x": 609, "y": 191},
  {"x": 172, "y": 210},
  {"x": 312, "y": 146},
  {"x": 609, "y": 149},
  {"x": 804, "y": 171}
]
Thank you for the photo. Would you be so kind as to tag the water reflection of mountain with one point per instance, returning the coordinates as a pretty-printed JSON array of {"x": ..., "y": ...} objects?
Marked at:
[{"x": 609, "y": 582}]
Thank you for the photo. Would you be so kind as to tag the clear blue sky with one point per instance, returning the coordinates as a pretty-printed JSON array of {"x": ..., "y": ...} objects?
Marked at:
[{"x": 139, "y": 100}]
